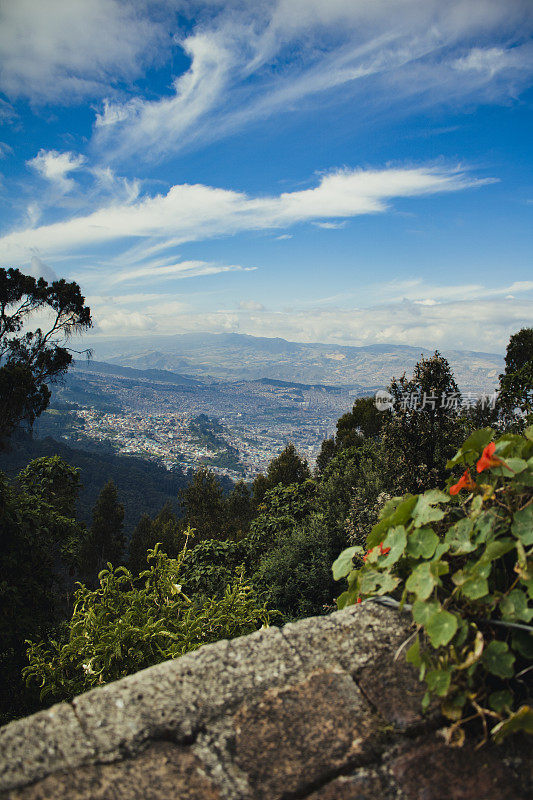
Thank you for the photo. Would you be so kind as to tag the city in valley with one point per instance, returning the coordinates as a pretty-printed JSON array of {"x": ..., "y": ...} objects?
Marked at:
[
  {"x": 240, "y": 401},
  {"x": 234, "y": 428}
]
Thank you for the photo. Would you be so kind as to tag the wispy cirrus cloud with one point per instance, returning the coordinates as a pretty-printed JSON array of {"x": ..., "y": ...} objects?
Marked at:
[
  {"x": 181, "y": 270},
  {"x": 248, "y": 62}
]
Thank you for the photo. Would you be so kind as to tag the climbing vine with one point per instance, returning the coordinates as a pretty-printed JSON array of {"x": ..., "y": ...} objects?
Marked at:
[{"x": 461, "y": 562}]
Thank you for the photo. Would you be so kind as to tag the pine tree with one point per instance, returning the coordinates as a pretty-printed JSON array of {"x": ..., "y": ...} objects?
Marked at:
[
  {"x": 105, "y": 540},
  {"x": 141, "y": 541},
  {"x": 167, "y": 530},
  {"x": 239, "y": 510},
  {"x": 203, "y": 503}
]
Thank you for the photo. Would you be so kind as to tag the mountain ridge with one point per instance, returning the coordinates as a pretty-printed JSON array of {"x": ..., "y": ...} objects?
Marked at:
[{"x": 236, "y": 357}]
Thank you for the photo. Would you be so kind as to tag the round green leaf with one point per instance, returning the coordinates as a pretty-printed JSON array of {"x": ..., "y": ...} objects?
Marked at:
[
  {"x": 421, "y": 581},
  {"x": 501, "y": 701},
  {"x": 441, "y": 628},
  {"x": 344, "y": 564},
  {"x": 396, "y": 539},
  {"x": 422, "y": 542},
  {"x": 498, "y": 660},
  {"x": 475, "y": 587},
  {"x": 423, "y": 610},
  {"x": 515, "y": 607},
  {"x": 522, "y": 526},
  {"x": 425, "y": 510},
  {"x": 459, "y": 537},
  {"x": 438, "y": 681},
  {"x": 373, "y": 582}
]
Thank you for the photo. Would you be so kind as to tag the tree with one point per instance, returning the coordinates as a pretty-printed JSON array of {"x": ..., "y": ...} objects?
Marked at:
[
  {"x": 295, "y": 574},
  {"x": 239, "y": 510},
  {"x": 35, "y": 533},
  {"x": 31, "y": 360},
  {"x": 167, "y": 530},
  {"x": 105, "y": 540},
  {"x": 287, "y": 468},
  {"x": 516, "y": 384},
  {"x": 260, "y": 487},
  {"x": 363, "y": 421},
  {"x": 141, "y": 541},
  {"x": 327, "y": 451},
  {"x": 203, "y": 504},
  {"x": 423, "y": 432},
  {"x": 55, "y": 481}
]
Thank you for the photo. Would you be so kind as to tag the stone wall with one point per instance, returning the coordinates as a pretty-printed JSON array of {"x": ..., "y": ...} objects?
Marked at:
[{"x": 319, "y": 710}]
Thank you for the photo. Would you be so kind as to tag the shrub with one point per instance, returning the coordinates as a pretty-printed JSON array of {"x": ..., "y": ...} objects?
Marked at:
[
  {"x": 127, "y": 624},
  {"x": 464, "y": 570}
]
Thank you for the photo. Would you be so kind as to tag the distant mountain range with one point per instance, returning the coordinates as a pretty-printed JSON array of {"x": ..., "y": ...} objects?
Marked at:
[{"x": 237, "y": 357}]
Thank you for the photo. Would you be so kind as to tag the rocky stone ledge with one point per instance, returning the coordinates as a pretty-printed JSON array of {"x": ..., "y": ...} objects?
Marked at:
[{"x": 319, "y": 709}]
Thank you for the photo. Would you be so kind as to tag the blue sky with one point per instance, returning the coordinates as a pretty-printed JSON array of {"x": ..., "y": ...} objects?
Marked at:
[{"x": 322, "y": 170}]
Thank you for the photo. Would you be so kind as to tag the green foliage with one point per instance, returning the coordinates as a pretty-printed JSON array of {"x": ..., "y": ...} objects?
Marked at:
[
  {"x": 362, "y": 422},
  {"x": 421, "y": 434},
  {"x": 466, "y": 570},
  {"x": 129, "y": 623},
  {"x": 30, "y": 360},
  {"x": 239, "y": 510},
  {"x": 210, "y": 566},
  {"x": 287, "y": 468},
  {"x": 516, "y": 384},
  {"x": 204, "y": 506},
  {"x": 37, "y": 538},
  {"x": 295, "y": 573},
  {"x": 165, "y": 529},
  {"x": 55, "y": 481},
  {"x": 105, "y": 539}
]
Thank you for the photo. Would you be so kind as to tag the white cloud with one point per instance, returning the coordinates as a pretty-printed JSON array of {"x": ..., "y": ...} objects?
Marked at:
[
  {"x": 65, "y": 50},
  {"x": 117, "y": 321},
  {"x": 192, "y": 212},
  {"x": 491, "y": 60},
  {"x": 55, "y": 167},
  {"x": 490, "y": 323},
  {"x": 38, "y": 269},
  {"x": 5, "y": 149},
  {"x": 183, "y": 269},
  {"x": 483, "y": 321},
  {"x": 254, "y": 60},
  {"x": 330, "y": 226}
]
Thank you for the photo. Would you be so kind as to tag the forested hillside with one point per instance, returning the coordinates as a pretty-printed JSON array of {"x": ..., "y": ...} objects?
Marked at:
[{"x": 144, "y": 487}]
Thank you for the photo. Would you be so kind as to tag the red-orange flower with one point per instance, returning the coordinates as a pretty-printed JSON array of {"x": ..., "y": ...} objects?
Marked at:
[
  {"x": 383, "y": 550},
  {"x": 367, "y": 554},
  {"x": 359, "y": 600},
  {"x": 464, "y": 482},
  {"x": 488, "y": 459}
]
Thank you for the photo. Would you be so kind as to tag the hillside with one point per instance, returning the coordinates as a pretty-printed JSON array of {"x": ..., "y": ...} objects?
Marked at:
[
  {"x": 235, "y": 357},
  {"x": 143, "y": 486}
]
